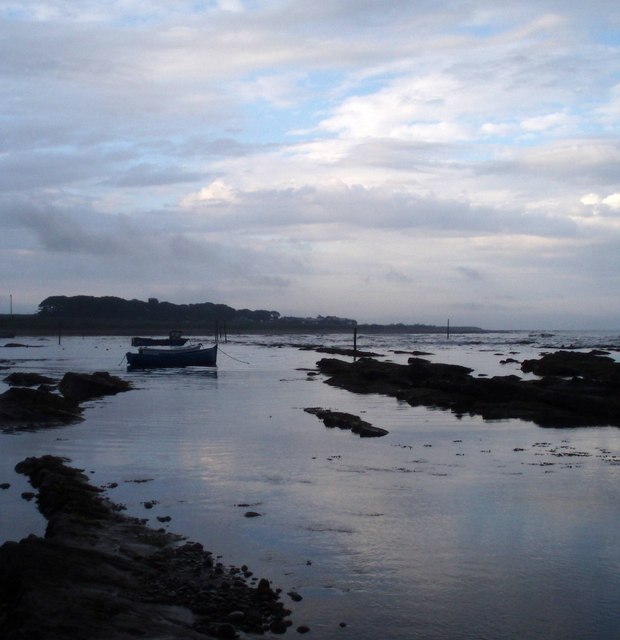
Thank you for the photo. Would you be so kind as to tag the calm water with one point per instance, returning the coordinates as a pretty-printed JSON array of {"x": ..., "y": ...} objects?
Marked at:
[{"x": 444, "y": 529}]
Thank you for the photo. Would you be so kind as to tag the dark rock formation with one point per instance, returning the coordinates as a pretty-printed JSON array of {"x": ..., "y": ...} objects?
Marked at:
[
  {"x": 24, "y": 379},
  {"x": 339, "y": 351},
  {"x": 595, "y": 366},
  {"x": 84, "y": 386},
  {"x": 590, "y": 397},
  {"x": 23, "y": 408},
  {"x": 26, "y": 408},
  {"x": 101, "y": 575},
  {"x": 344, "y": 420}
]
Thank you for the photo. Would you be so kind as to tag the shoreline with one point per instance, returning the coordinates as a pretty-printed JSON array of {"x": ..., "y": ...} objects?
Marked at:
[{"x": 100, "y": 574}]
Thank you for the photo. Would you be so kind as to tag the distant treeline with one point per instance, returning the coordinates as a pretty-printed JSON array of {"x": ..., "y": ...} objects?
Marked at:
[
  {"x": 110, "y": 307},
  {"x": 110, "y": 314},
  {"x": 109, "y": 310}
]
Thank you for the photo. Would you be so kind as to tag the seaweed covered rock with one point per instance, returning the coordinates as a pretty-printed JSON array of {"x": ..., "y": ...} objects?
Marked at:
[
  {"x": 84, "y": 386},
  {"x": 582, "y": 394},
  {"x": 26, "y": 379},
  {"x": 594, "y": 366},
  {"x": 22, "y": 407},
  {"x": 101, "y": 575},
  {"x": 344, "y": 420}
]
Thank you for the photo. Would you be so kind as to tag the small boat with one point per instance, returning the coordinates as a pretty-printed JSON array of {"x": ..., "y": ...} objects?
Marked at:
[
  {"x": 192, "y": 356},
  {"x": 174, "y": 339}
]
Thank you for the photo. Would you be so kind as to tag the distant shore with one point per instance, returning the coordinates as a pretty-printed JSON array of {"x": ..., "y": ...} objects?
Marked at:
[{"x": 36, "y": 325}]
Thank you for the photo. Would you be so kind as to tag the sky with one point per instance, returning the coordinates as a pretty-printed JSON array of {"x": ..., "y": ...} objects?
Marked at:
[{"x": 392, "y": 162}]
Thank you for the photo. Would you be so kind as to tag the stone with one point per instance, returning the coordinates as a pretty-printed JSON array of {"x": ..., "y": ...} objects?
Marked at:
[
  {"x": 85, "y": 386},
  {"x": 21, "y": 407},
  {"x": 344, "y": 420},
  {"x": 24, "y": 379},
  {"x": 574, "y": 390},
  {"x": 98, "y": 574}
]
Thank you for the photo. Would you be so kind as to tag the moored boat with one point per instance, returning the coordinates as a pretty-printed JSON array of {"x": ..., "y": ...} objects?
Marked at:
[
  {"x": 174, "y": 339},
  {"x": 192, "y": 356}
]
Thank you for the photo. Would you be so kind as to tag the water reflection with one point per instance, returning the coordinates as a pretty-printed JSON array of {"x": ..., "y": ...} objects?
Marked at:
[{"x": 445, "y": 528}]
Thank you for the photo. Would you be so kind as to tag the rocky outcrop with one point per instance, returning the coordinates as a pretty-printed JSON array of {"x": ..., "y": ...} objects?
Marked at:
[
  {"x": 344, "y": 420},
  {"x": 24, "y": 408},
  {"x": 339, "y": 351},
  {"x": 84, "y": 386},
  {"x": 27, "y": 408},
  {"x": 586, "y": 394},
  {"x": 98, "y": 574},
  {"x": 596, "y": 366},
  {"x": 26, "y": 379}
]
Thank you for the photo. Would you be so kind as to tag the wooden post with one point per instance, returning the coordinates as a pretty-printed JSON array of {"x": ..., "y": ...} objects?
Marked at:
[
  {"x": 448, "y": 330},
  {"x": 355, "y": 343}
]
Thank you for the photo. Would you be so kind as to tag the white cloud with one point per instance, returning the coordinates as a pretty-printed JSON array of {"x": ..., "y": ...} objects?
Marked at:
[
  {"x": 612, "y": 201},
  {"x": 602, "y": 205},
  {"x": 545, "y": 123},
  {"x": 291, "y": 150},
  {"x": 217, "y": 192}
]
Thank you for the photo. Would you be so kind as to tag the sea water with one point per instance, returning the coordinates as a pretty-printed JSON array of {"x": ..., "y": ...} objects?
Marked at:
[{"x": 446, "y": 528}]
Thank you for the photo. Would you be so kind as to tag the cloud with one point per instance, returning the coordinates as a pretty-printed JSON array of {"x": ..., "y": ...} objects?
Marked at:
[
  {"x": 289, "y": 151},
  {"x": 606, "y": 206}
]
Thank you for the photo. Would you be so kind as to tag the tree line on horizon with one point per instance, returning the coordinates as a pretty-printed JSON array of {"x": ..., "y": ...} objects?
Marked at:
[{"x": 153, "y": 312}]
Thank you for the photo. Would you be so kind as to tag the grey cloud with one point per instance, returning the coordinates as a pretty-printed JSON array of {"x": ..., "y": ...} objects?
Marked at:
[
  {"x": 149, "y": 175},
  {"x": 379, "y": 209},
  {"x": 134, "y": 247},
  {"x": 470, "y": 274}
]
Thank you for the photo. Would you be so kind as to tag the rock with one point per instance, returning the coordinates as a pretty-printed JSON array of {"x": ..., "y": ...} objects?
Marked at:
[
  {"x": 23, "y": 379},
  {"x": 344, "y": 420},
  {"x": 576, "y": 389},
  {"x": 339, "y": 351},
  {"x": 5, "y": 485},
  {"x": 101, "y": 575},
  {"x": 302, "y": 628},
  {"x": 593, "y": 366},
  {"x": 264, "y": 589},
  {"x": 26, "y": 408},
  {"x": 84, "y": 386},
  {"x": 252, "y": 514},
  {"x": 278, "y": 626},
  {"x": 293, "y": 595}
]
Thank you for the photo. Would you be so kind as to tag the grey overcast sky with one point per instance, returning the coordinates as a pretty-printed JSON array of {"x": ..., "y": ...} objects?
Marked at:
[{"x": 402, "y": 161}]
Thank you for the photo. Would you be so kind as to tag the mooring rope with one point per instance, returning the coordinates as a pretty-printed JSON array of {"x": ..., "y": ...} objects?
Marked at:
[{"x": 231, "y": 357}]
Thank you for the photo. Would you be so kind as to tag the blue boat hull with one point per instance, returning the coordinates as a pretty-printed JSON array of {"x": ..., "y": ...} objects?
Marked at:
[{"x": 181, "y": 358}]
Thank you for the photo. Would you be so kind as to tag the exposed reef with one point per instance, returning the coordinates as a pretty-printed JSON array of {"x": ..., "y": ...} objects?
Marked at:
[
  {"x": 344, "y": 420},
  {"x": 99, "y": 574},
  {"x": 24, "y": 408},
  {"x": 576, "y": 389}
]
